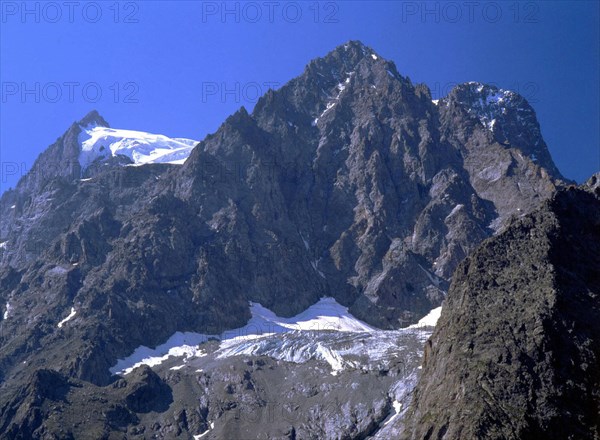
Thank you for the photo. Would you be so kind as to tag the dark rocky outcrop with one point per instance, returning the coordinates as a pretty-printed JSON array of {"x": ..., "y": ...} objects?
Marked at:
[{"x": 516, "y": 353}]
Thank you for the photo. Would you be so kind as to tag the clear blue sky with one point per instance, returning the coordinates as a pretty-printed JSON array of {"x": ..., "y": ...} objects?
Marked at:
[{"x": 180, "y": 68}]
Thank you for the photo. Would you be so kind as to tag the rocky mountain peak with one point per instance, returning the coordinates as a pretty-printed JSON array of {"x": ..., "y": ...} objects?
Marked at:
[
  {"x": 506, "y": 116},
  {"x": 343, "y": 60},
  {"x": 93, "y": 119}
]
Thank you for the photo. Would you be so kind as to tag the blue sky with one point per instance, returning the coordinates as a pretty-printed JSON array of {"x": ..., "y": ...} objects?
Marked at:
[{"x": 180, "y": 68}]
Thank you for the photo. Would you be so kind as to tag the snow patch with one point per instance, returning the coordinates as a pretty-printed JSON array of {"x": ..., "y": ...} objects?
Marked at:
[
  {"x": 7, "y": 311},
  {"x": 315, "y": 266},
  {"x": 454, "y": 211},
  {"x": 397, "y": 408},
  {"x": 181, "y": 344},
  {"x": 373, "y": 56},
  {"x": 433, "y": 279},
  {"x": 306, "y": 245},
  {"x": 3, "y": 245},
  {"x": 340, "y": 87},
  {"x": 102, "y": 142},
  {"x": 325, "y": 315},
  {"x": 56, "y": 270},
  {"x": 435, "y": 101},
  {"x": 492, "y": 104},
  {"x": 429, "y": 320},
  {"x": 199, "y": 436},
  {"x": 68, "y": 318}
]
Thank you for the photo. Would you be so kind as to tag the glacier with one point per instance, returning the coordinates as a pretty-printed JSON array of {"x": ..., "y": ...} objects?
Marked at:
[
  {"x": 326, "y": 331},
  {"x": 98, "y": 142}
]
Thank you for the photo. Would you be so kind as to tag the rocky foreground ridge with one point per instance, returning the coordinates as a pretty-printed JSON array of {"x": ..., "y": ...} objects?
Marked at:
[{"x": 516, "y": 352}]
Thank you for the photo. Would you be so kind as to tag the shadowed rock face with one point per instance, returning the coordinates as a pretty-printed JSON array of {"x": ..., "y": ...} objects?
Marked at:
[
  {"x": 516, "y": 353},
  {"x": 347, "y": 182}
]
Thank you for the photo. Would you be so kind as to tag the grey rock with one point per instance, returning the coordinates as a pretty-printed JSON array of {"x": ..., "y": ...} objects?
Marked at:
[{"x": 516, "y": 351}]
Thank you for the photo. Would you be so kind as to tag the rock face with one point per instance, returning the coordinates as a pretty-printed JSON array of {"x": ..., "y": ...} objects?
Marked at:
[
  {"x": 516, "y": 353},
  {"x": 347, "y": 182}
]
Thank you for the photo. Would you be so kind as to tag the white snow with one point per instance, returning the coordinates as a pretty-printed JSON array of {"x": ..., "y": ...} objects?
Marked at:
[
  {"x": 7, "y": 311},
  {"x": 429, "y": 320},
  {"x": 373, "y": 56},
  {"x": 180, "y": 344},
  {"x": 3, "y": 245},
  {"x": 325, "y": 315},
  {"x": 315, "y": 266},
  {"x": 68, "y": 318},
  {"x": 13, "y": 206},
  {"x": 199, "y": 436},
  {"x": 340, "y": 87},
  {"x": 454, "y": 211},
  {"x": 492, "y": 104},
  {"x": 335, "y": 361},
  {"x": 435, "y": 101},
  {"x": 435, "y": 281},
  {"x": 141, "y": 147},
  {"x": 56, "y": 270},
  {"x": 306, "y": 245},
  {"x": 397, "y": 407}
]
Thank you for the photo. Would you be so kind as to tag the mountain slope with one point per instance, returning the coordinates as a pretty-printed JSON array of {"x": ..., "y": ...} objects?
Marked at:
[{"x": 516, "y": 353}]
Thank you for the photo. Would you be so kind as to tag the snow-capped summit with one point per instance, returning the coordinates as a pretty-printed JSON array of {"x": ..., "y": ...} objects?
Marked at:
[
  {"x": 100, "y": 142},
  {"x": 508, "y": 117},
  {"x": 493, "y": 103}
]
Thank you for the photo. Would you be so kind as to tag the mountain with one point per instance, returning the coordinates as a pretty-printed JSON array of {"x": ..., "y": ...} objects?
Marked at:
[
  {"x": 348, "y": 183},
  {"x": 516, "y": 353}
]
